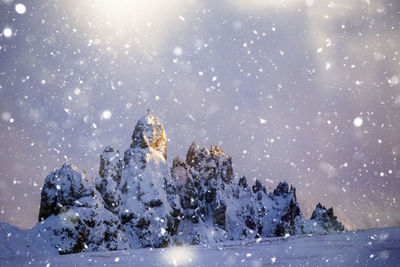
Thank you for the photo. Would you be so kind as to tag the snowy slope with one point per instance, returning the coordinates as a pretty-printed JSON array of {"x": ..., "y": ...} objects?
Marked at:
[
  {"x": 18, "y": 243},
  {"x": 373, "y": 247}
]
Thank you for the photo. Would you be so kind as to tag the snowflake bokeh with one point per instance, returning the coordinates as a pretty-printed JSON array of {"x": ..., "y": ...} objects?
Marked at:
[{"x": 303, "y": 91}]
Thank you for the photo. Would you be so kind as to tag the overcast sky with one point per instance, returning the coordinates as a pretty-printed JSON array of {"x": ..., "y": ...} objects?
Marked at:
[{"x": 302, "y": 91}]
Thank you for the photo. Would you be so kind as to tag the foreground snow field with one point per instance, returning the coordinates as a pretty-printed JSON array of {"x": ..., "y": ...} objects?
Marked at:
[{"x": 372, "y": 247}]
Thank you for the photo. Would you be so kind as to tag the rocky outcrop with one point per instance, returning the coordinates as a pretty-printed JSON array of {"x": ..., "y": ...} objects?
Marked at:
[
  {"x": 212, "y": 202},
  {"x": 73, "y": 211},
  {"x": 61, "y": 189},
  {"x": 210, "y": 164},
  {"x": 137, "y": 200},
  {"x": 289, "y": 219},
  {"x": 141, "y": 187},
  {"x": 204, "y": 188},
  {"x": 323, "y": 221},
  {"x": 109, "y": 178}
]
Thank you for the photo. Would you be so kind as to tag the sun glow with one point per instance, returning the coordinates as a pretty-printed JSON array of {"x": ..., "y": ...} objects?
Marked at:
[
  {"x": 261, "y": 5},
  {"x": 177, "y": 256},
  {"x": 128, "y": 22}
]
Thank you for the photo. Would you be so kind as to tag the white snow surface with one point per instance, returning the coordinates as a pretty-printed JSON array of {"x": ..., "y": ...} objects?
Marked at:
[{"x": 372, "y": 247}]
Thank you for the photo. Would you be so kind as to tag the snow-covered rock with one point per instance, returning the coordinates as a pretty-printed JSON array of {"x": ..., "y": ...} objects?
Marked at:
[
  {"x": 141, "y": 188},
  {"x": 139, "y": 201},
  {"x": 61, "y": 189},
  {"x": 323, "y": 221},
  {"x": 109, "y": 178},
  {"x": 212, "y": 202},
  {"x": 205, "y": 189},
  {"x": 284, "y": 216},
  {"x": 210, "y": 164},
  {"x": 73, "y": 216},
  {"x": 148, "y": 138}
]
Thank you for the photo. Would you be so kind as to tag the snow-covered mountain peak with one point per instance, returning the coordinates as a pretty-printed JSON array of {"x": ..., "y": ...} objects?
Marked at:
[
  {"x": 283, "y": 189},
  {"x": 326, "y": 219},
  {"x": 139, "y": 189},
  {"x": 149, "y": 133},
  {"x": 139, "y": 201},
  {"x": 193, "y": 154},
  {"x": 72, "y": 212},
  {"x": 61, "y": 188},
  {"x": 211, "y": 164}
]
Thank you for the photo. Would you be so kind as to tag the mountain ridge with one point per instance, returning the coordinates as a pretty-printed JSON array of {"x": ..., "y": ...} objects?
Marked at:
[{"x": 138, "y": 200}]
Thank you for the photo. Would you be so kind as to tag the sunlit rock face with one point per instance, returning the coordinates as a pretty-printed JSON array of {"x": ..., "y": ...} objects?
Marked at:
[
  {"x": 148, "y": 136},
  {"x": 74, "y": 213},
  {"x": 141, "y": 189}
]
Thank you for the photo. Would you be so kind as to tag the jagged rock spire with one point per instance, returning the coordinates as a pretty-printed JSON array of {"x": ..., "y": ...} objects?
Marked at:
[
  {"x": 213, "y": 163},
  {"x": 149, "y": 133},
  {"x": 73, "y": 212},
  {"x": 110, "y": 172},
  {"x": 191, "y": 154},
  {"x": 60, "y": 190},
  {"x": 326, "y": 219},
  {"x": 149, "y": 207}
]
